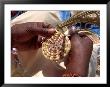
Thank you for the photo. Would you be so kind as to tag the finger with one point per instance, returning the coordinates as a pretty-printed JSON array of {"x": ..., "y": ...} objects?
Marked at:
[
  {"x": 41, "y": 28},
  {"x": 45, "y": 32},
  {"x": 40, "y": 24},
  {"x": 88, "y": 40},
  {"x": 74, "y": 35},
  {"x": 82, "y": 34},
  {"x": 84, "y": 37},
  {"x": 46, "y": 25},
  {"x": 72, "y": 32}
]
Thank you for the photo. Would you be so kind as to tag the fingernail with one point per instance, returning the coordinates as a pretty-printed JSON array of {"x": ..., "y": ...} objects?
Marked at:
[{"x": 51, "y": 30}]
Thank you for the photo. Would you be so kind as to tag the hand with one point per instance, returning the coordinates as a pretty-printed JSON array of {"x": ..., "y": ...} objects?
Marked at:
[
  {"x": 79, "y": 56},
  {"x": 27, "y": 36}
]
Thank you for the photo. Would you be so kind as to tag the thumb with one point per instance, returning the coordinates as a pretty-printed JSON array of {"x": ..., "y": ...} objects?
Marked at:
[
  {"x": 73, "y": 34},
  {"x": 46, "y": 32}
]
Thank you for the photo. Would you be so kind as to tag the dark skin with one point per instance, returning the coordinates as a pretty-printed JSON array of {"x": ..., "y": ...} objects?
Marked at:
[
  {"x": 27, "y": 36},
  {"x": 79, "y": 56}
]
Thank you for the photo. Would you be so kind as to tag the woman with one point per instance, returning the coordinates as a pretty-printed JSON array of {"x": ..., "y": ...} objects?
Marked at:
[{"x": 26, "y": 37}]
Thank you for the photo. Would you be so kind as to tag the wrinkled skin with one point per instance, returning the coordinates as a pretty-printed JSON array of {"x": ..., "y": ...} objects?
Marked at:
[
  {"x": 27, "y": 36},
  {"x": 79, "y": 56}
]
